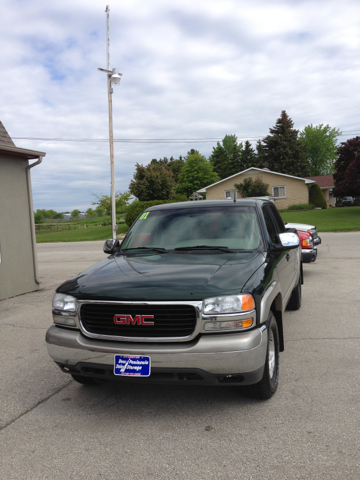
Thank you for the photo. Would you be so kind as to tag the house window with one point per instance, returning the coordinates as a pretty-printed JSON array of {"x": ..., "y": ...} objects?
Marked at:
[
  {"x": 230, "y": 194},
  {"x": 279, "y": 192}
]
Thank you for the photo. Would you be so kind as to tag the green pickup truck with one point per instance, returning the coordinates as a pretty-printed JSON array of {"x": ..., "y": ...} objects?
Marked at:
[{"x": 195, "y": 294}]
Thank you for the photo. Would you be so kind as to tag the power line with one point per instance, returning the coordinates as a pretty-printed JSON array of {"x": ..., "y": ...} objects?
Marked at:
[
  {"x": 152, "y": 140},
  {"x": 123, "y": 140}
]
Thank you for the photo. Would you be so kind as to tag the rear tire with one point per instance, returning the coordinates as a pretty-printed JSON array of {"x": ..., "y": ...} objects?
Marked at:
[
  {"x": 86, "y": 380},
  {"x": 268, "y": 385},
  {"x": 295, "y": 299}
]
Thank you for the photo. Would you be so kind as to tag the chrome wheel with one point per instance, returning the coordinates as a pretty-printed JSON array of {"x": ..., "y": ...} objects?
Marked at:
[
  {"x": 271, "y": 354},
  {"x": 267, "y": 386}
]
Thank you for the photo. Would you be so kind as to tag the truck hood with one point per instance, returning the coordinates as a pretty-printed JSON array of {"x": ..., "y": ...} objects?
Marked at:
[{"x": 164, "y": 277}]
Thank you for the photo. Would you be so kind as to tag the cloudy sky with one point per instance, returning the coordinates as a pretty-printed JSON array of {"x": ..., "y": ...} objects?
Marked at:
[{"x": 193, "y": 71}]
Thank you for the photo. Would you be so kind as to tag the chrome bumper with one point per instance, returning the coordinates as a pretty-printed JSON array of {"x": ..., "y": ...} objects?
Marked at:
[
  {"x": 317, "y": 241},
  {"x": 309, "y": 255},
  {"x": 224, "y": 354}
]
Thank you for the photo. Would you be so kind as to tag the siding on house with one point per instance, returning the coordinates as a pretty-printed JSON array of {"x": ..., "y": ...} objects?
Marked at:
[
  {"x": 17, "y": 255},
  {"x": 17, "y": 262},
  {"x": 296, "y": 188}
]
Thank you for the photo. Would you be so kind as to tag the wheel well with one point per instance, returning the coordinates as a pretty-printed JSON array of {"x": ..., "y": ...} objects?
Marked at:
[{"x": 276, "y": 309}]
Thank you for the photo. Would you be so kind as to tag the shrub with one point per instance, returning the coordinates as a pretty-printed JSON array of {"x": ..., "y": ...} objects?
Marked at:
[
  {"x": 180, "y": 197},
  {"x": 38, "y": 217},
  {"x": 250, "y": 188},
  {"x": 316, "y": 196},
  {"x": 301, "y": 206}
]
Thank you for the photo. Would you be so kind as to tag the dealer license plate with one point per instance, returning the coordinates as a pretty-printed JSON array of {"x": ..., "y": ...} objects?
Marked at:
[{"x": 129, "y": 365}]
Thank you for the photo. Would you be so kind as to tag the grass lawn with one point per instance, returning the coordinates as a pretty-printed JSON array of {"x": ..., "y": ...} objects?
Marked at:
[
  {"x": 78, "y": 232},
  {"x": 343, "y": 219}
]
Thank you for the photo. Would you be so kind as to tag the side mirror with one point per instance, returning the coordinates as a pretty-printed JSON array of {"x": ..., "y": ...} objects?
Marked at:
[
  {"x": 287, "y": 240},
  {"x": 111, "y": 246}
]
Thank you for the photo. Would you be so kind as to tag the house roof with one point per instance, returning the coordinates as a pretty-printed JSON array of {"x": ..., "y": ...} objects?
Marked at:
[
  {"x": 324, "y": 181},
  {"x": 256, "y": 170},
  {"x": 7, "y": 147},
  {"x": 5, "y": 137}
]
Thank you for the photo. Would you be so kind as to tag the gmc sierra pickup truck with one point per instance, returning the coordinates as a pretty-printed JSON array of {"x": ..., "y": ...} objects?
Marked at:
[{"x": 195, "y": 294}]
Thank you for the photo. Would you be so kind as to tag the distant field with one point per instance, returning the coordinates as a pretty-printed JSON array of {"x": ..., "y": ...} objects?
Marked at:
[
  {"x": 77, "y": 231},
  {"x": 344, "y": 219}
]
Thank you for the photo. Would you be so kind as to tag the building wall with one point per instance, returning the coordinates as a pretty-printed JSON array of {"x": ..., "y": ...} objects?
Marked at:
[
  {"x": 330, "y": 199},
  {"x": 296, "y": 190},
  {"x": 16, "y": 265}
]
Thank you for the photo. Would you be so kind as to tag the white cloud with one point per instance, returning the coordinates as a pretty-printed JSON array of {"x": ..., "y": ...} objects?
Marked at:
[{"x": 191, "y": 69}]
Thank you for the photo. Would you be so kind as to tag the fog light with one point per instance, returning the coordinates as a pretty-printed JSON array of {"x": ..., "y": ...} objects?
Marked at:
[
  {"x": 230, "y": 325},
  {"x": 62, "y": 320}
]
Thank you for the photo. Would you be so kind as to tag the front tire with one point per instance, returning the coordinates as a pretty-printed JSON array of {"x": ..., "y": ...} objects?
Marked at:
[{"x": 268, "y": 385}]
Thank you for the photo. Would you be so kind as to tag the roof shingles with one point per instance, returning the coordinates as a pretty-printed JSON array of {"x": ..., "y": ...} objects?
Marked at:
[
  {"x": 5, "y": 138},
  {"x": 324, "y": 181}
]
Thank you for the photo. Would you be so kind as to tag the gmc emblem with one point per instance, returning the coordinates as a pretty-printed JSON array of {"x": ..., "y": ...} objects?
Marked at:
[{"x": 129, "y": 320}]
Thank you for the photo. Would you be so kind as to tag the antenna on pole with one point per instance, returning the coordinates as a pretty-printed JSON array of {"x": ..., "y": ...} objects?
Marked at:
[{"x": 108, "y": 37}]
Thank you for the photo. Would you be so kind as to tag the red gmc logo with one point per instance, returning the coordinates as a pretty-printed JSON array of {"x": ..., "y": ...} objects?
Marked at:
[{"x": 129, "y": 320}]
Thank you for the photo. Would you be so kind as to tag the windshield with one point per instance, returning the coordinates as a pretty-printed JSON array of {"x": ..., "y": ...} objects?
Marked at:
[{"x": 232, "y": 228}]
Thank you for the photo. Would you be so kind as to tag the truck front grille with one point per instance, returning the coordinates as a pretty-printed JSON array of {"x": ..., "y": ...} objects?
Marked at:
[{"x": 169, "y": 320}]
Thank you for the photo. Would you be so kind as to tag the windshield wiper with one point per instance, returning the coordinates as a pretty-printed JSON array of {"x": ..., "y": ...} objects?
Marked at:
[
  {"x": 155, "y": 249},
  {"x": 206, "y": 247}
]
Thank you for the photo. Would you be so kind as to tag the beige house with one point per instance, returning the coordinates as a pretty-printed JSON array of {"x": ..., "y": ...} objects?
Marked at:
[
  {"x": 18, "y": 263},
  {"x": 286, "y": 189}
]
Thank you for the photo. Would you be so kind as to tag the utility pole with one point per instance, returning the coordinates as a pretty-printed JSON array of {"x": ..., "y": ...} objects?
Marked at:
[{"x": 113, "y": 78}]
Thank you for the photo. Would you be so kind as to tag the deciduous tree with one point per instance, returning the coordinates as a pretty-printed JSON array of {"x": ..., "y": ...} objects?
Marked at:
[
  {"x": 196, "y": 173},
  {"x": 320, "y": 143},
  {"x": 347, "y": 169},
  {"x": 103, "y": 202},
  {"x": 174, "y": 165},
  {"x": 153, "y": 182}
]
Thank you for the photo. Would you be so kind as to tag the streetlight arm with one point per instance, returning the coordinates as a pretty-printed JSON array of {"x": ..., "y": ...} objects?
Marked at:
[{"x": 104, "y": 70}]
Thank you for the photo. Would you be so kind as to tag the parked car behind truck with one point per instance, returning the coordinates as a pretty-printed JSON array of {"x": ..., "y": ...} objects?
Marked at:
[{"x": 195, "y": 294}]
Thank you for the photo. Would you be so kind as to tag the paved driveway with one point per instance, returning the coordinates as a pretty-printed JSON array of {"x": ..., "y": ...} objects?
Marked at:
[{"x": 53, "y": 428}]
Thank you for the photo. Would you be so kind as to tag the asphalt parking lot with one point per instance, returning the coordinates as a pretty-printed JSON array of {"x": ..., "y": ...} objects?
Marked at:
[{"x": 53, "y": 428}]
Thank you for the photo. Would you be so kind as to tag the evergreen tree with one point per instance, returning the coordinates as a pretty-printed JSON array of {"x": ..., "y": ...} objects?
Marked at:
[
  {"x": 316, "y": 196},
  {"x": 260, "y": 155},
  {"x": 226, "y": 157},
  {"x": 248, "y": 156},
  {"x": 283, "y": 151}
]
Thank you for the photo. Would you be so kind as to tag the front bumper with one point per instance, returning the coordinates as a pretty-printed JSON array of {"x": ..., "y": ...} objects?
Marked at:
[
  {"x": 309, "y": 255},
  {"x": 236, "y": 358},
  {"x": 317, "y": 241}
]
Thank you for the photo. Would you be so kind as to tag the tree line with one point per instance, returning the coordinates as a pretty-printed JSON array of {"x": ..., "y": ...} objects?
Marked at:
[
  {"x": 313, "y": 151},
  {"x": 310, "y": 152}
]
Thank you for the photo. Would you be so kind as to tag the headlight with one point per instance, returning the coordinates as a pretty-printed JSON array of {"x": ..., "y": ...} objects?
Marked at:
[
  {"x": 64, "y": 310},
  {"x": 64, "y": 303},
  {"x": 228, "y": 304}
]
